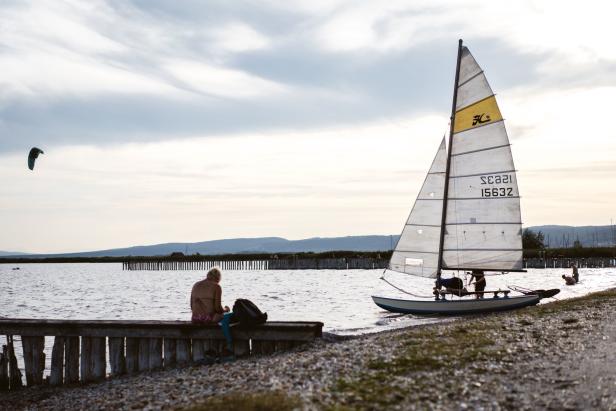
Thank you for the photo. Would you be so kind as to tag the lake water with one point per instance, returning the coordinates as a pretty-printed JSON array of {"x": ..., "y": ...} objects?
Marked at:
[{"x": 340, "y": 299}]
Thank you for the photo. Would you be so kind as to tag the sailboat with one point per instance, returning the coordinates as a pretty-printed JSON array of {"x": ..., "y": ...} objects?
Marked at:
[{"x": 467, "y": 214}]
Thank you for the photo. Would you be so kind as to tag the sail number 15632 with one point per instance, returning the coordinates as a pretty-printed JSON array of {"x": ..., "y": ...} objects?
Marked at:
[{"x": 496, "y": 191}]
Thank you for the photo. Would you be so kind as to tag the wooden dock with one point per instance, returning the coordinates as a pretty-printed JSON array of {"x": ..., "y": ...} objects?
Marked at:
[{"x": 83, "y": 349}]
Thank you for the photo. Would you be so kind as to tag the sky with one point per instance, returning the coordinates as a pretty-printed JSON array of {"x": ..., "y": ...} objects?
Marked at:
[{"x": 182, "y": 121}]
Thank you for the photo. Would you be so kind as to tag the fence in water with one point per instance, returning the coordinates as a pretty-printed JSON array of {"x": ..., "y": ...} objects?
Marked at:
[
  {"x": 561, "y": 262},
  {"x": 291, "y": 262},
  {"x": 342, "y": 263}
]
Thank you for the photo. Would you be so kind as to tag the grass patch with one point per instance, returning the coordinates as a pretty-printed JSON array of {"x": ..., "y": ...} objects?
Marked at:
[
  {"x": 573, "y": 304},
  {"x": 421, "y": 350},
  {"x": 263, "y": 401}
]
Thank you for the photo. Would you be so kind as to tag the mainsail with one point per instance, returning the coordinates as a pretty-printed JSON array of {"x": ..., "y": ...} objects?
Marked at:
[
  {"x": 483, "y": 228},
  {"x": 417, "y": 249}
]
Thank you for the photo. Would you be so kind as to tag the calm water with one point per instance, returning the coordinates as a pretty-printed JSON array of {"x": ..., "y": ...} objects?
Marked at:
[{"x": 340, "y": 299}]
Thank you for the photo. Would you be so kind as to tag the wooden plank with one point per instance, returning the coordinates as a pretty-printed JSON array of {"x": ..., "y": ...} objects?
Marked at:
[
  {"x": 259, "y": 334},
  {"x": 157, "y": 329},
  {"x": 156, "y": 353},
  {"x": 267, "y": 347},
  {"x": 170, "y": 353},
  {"x": 117, "y": 359},
  {"x": 255, "y": 347},
  {"x": 15, "y": 379},
  {"x": 198, "y": 351},
  {"x": 182, "y": 351},
  {"x": 132, "y": 355},
  {"x": 26, "y": 343},
  {"x": 99, "y": 358},
  {"x": 56, "y": 376},
  {"x": 282, "y": 345},
  {"x": 38, "y": 358},
  {"x": 71, "y": 352},
  {"x": 216, "y": 346},
  {"x": 241, "y": 348},
  {"x": 4, "y": 369},
  {"x": 86, "y": 359},
  {"x": 144, "y": 354}
]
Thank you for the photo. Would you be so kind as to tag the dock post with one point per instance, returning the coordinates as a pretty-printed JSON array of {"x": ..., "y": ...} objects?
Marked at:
[
  {"x": 56, "y": 376},
  {"x": 4, "y": 369},
  {"x": 198, "y": 350},
  {"x": 34, "y": 359},
  {"x": 183, "y": 350},
  {"x": 132, "y": 355},
  {"x": 99, "y": 358},
  {"x": 86, "y": 359},
  {"x": 144, "y": 354},
  {"x": 156, "y": 353},
  {"x": 117, "y": 360},
  {"x": 71, "y": 352},
  {"x": 170, "y": 353}
]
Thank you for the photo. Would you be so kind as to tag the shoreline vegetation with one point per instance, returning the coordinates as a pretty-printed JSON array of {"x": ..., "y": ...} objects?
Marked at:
[
  {"x": 552, "y": 356},
  {"x": 543, "y": 253}
]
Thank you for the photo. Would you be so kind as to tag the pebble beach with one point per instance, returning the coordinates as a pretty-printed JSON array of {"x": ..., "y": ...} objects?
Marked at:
[{"x": 555, "y": 356}]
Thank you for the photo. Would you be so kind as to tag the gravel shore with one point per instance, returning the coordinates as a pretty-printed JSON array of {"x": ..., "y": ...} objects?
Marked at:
[{"x": 557, "y": 356}]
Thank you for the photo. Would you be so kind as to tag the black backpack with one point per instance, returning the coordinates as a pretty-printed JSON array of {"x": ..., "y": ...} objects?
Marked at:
[{"x": 248, "y": 314}]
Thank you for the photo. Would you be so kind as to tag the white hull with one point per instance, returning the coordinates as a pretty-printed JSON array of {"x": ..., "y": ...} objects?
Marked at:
[{"x": 455, "y": 307}]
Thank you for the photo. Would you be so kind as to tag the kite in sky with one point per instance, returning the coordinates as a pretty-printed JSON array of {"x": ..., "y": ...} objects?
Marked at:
[{"x": 34, "y": 153}]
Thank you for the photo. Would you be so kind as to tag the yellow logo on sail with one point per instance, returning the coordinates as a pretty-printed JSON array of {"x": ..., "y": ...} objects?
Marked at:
[{"x": 482, "y": 112}]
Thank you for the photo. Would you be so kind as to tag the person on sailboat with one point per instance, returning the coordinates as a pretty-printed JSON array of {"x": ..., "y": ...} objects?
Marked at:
[
  {"x": 480, "y": 282},
  {"x": 206, "y": 306},
  {"x": 574, "y": 272}
]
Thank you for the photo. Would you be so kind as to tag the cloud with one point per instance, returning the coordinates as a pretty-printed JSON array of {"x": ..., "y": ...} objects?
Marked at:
[{"x": 211, "y": 80}]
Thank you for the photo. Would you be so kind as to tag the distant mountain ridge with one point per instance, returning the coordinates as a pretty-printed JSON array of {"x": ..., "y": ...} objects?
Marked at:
[
  {"x": 555, "y": 236},
  {"x": 245, "y": 245}
]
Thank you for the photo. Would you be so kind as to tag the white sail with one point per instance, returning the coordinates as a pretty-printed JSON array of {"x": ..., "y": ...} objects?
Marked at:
[
  {"x": 417, "y": 249},
  {"x": 483, "y": 227}
]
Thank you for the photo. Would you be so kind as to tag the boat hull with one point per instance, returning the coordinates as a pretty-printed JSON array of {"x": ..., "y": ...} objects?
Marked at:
[{"x": 455, "y": 307}]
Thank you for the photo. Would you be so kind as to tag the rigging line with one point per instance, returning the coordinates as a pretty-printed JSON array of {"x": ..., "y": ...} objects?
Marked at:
[
  {"x": 481, "y": 149},
  {"x": 404, "y": 291},
  {"x": 483, "y": 174},
  {"x": 470, "y": 78}
]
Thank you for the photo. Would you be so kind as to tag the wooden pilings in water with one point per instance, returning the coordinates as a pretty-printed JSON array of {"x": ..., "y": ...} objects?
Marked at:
[
  {"x": 286, "y": 262},
  {"x": 80, "y": 348},
  {"x": 283, "y": 263},
  {"x": 564, "y": 262},
  {"x": 182, "y": 265}
]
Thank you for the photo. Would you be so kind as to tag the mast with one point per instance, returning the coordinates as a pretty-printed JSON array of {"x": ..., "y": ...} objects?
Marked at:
[{"x": 447, "y": 168}]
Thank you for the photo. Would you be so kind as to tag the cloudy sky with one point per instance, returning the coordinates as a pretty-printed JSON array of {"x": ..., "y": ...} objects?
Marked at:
[{"x": 166, "y": 120}]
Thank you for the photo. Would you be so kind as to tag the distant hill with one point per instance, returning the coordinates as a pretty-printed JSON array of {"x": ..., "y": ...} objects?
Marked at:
[
  {"x": 5, "y": 253},
  {"x": 563, "y": 236},
  {"x": 245, "y": 245},
  {"x": 556, "y": 236}
]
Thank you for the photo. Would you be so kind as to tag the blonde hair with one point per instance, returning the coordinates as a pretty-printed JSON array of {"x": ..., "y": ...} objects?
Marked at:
[{"x": 214, "y": 274}]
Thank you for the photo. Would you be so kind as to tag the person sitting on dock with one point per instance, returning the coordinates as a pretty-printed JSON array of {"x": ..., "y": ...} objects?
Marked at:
[
  {"x": 206, "y": 306},
  {"x": 569, "y": 280},
  {"x": 574, "y": 273},
  {"x": 480, "y": 282}
]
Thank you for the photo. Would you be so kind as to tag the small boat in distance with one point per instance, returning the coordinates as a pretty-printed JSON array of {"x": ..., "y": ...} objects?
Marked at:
[{"x": 467, "y": 214}]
